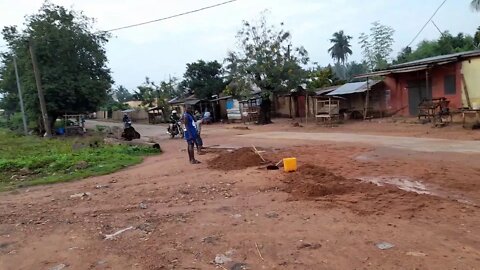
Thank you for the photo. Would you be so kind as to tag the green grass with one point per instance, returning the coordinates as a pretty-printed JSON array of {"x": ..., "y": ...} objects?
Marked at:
[{"x": 27, "y": 161}]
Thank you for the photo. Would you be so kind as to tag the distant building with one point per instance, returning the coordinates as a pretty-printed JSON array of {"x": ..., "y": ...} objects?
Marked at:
[{"x": 134, "y": 104}]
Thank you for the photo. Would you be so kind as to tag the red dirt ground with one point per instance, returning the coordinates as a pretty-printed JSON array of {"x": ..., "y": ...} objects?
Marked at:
[{"x": 321, "y": 217}]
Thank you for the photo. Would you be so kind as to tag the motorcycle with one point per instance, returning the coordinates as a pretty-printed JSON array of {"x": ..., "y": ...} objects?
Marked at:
[{"x": 175, "y": 129}]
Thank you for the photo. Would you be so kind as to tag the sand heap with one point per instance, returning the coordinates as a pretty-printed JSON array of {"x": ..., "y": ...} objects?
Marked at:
[{"x": 238, "y": 159}]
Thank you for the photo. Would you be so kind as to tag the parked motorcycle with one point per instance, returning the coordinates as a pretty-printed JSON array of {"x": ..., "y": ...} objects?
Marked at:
[{"x": 175, "y": 129}]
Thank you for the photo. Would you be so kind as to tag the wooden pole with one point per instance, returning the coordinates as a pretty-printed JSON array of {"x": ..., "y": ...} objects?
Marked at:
[
  {"x": 367, "y": 97},
  {"x": 22, "y": 108},
  {"x": 427, "y": 84},
  {"x": 41, "y": 97},
  {"x": 465, "y": 89},
  {"x": 306, "y": 107}
]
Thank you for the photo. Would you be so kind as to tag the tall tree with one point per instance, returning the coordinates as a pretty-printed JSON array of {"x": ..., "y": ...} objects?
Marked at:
[
  {"x": 266, "y": 59},
  {"x": 353, "y": 69},
  {"x": 377, "y": 45},
  {"x": 147, "y": 93},
  {"x": 319, "y": 77},
  {"x": 204, "y": 79},
  {"x": 122, "y": 94},
  {"x": 170, "y": 89},
  {"x": 341, "y": 47},
  {"x": 476, "y": 38},
  {"x": 475, "y": 5},
  {"x": 71, "y": 59}
]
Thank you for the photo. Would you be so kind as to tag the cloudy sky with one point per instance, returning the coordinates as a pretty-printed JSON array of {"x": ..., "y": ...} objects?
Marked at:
[{"x": 162, "y": 49}]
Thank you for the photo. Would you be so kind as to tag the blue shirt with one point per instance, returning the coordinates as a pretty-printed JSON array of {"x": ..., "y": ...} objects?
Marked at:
[{"x": 190, "y": 129}]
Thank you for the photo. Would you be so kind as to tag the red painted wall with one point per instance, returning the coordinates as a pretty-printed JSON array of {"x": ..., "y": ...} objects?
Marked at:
[{"x": 398, "y": 86}]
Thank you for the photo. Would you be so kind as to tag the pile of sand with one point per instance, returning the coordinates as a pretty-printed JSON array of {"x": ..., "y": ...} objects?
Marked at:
[
  {"x": 235, "y": 160},
  {"x": 313, "y": 181}
]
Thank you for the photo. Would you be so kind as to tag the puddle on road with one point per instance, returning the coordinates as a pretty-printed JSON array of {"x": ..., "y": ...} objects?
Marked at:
[
  {"x": 411, "y": 185},
  {"x": 364, "y": 158},
  {"x": 403, "y": 183}
]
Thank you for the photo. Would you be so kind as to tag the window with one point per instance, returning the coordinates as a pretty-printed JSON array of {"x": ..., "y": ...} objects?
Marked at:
[{"x": 449, "y": 85}]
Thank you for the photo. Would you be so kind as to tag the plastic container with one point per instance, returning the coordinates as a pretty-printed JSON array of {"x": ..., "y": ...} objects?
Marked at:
[{"x": 290, "y": 164}]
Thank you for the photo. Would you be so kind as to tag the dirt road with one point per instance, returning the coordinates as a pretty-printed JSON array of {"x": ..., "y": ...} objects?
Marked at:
[
  {"x": 405, "y": 143},
  {"x": 345, "y": 199},
  {"x": 144, "y": 129}
]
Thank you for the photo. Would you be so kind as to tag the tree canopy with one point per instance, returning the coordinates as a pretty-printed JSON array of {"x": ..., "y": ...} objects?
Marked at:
[
  {"x": 71, "y": 59},
  {"x": 122, "y": 94},
  {"x": 319, "y": 77},
  {"x": 475, "y": 5},
  {"x": 446, "y": 44},
  {"x": 204, "y": 79},
  {"x": 147, "y": 93},
  {"x": 341, "y": 47},
  {"x": 377, "y": 45},
  {"x": 266, "y": 59}
]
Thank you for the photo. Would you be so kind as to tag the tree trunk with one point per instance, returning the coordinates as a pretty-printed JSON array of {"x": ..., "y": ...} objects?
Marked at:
[
  {"x": 40, "y": 126},
  {"x": 53, "y": 120},
  {"x": 264, "y": 116}
]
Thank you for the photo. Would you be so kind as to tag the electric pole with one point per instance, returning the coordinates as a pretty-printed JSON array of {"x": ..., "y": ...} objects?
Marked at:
[
  {"x": 24, "y": 117},
  {"x": 41, "y": 97}
]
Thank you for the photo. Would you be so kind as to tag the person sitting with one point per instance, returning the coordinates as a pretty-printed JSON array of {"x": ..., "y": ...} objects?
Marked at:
[
  {"x": 174, "y": 118},
  {"x": 126, "y": 120},
  {"x": 207, "y": 117}
]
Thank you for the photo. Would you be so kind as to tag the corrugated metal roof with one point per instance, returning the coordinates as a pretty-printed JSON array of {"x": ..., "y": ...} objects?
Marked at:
[
  {"x": 386, "y": 72},
  {"x": 221, "y": 98},
  {"x": 422, "y": 63},
  {"x": 191, "y": 101},
  {"x": 324, "y": 90},
  {"x": 438, "y": 59},
  {"x": 353, "y": 87}
]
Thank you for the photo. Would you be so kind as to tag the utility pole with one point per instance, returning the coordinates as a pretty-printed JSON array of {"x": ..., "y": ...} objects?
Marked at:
[
  {"x": 24, "y": 117},
  {"x": 41, "y": 97}
]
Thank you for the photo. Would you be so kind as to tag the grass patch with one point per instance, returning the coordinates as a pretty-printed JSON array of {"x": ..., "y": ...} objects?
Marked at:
[{"x": 27, "y": 161}]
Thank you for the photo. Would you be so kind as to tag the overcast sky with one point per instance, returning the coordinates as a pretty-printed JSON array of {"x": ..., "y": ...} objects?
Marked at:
[{"x": 162, "y": 49}]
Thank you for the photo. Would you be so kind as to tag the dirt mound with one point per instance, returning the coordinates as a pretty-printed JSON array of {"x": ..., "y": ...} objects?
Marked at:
[
  {"x": 235, "y": 160},
  {"x": 312, "y": 181}
]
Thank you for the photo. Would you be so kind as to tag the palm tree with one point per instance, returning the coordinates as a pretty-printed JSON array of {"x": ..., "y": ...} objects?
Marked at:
[
  {"x": 341, "y": 47},
  {"x": 475, "y": 4}
]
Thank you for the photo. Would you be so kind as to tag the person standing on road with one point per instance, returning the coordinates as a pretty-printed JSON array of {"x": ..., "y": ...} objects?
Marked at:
[
  {"x": 191, "y": 134},
  {"x": 198, "y": 125}
]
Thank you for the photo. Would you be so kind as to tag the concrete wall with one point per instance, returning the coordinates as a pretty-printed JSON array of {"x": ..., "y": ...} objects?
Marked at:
[
  {"x": 438, "y": 88},
  {"x": 136, "y": 115},
  {"x": 398, "y": 86},
  {"x": 102, "y": 115},
  {"x": 283, "y": 106},
  {"x": 471, "y": 71}
]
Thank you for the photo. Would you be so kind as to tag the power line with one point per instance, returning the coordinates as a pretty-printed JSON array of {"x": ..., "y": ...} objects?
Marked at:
[
  {"x": 170, "y": 17},
  {"x": 436, "y": 26},
  {"x": 426, "y": 23},
  {"x": 160, "y": 19}
]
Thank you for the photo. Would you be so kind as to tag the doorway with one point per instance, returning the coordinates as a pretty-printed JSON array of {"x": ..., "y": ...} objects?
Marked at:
[{"x": 417, "y": 91}]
